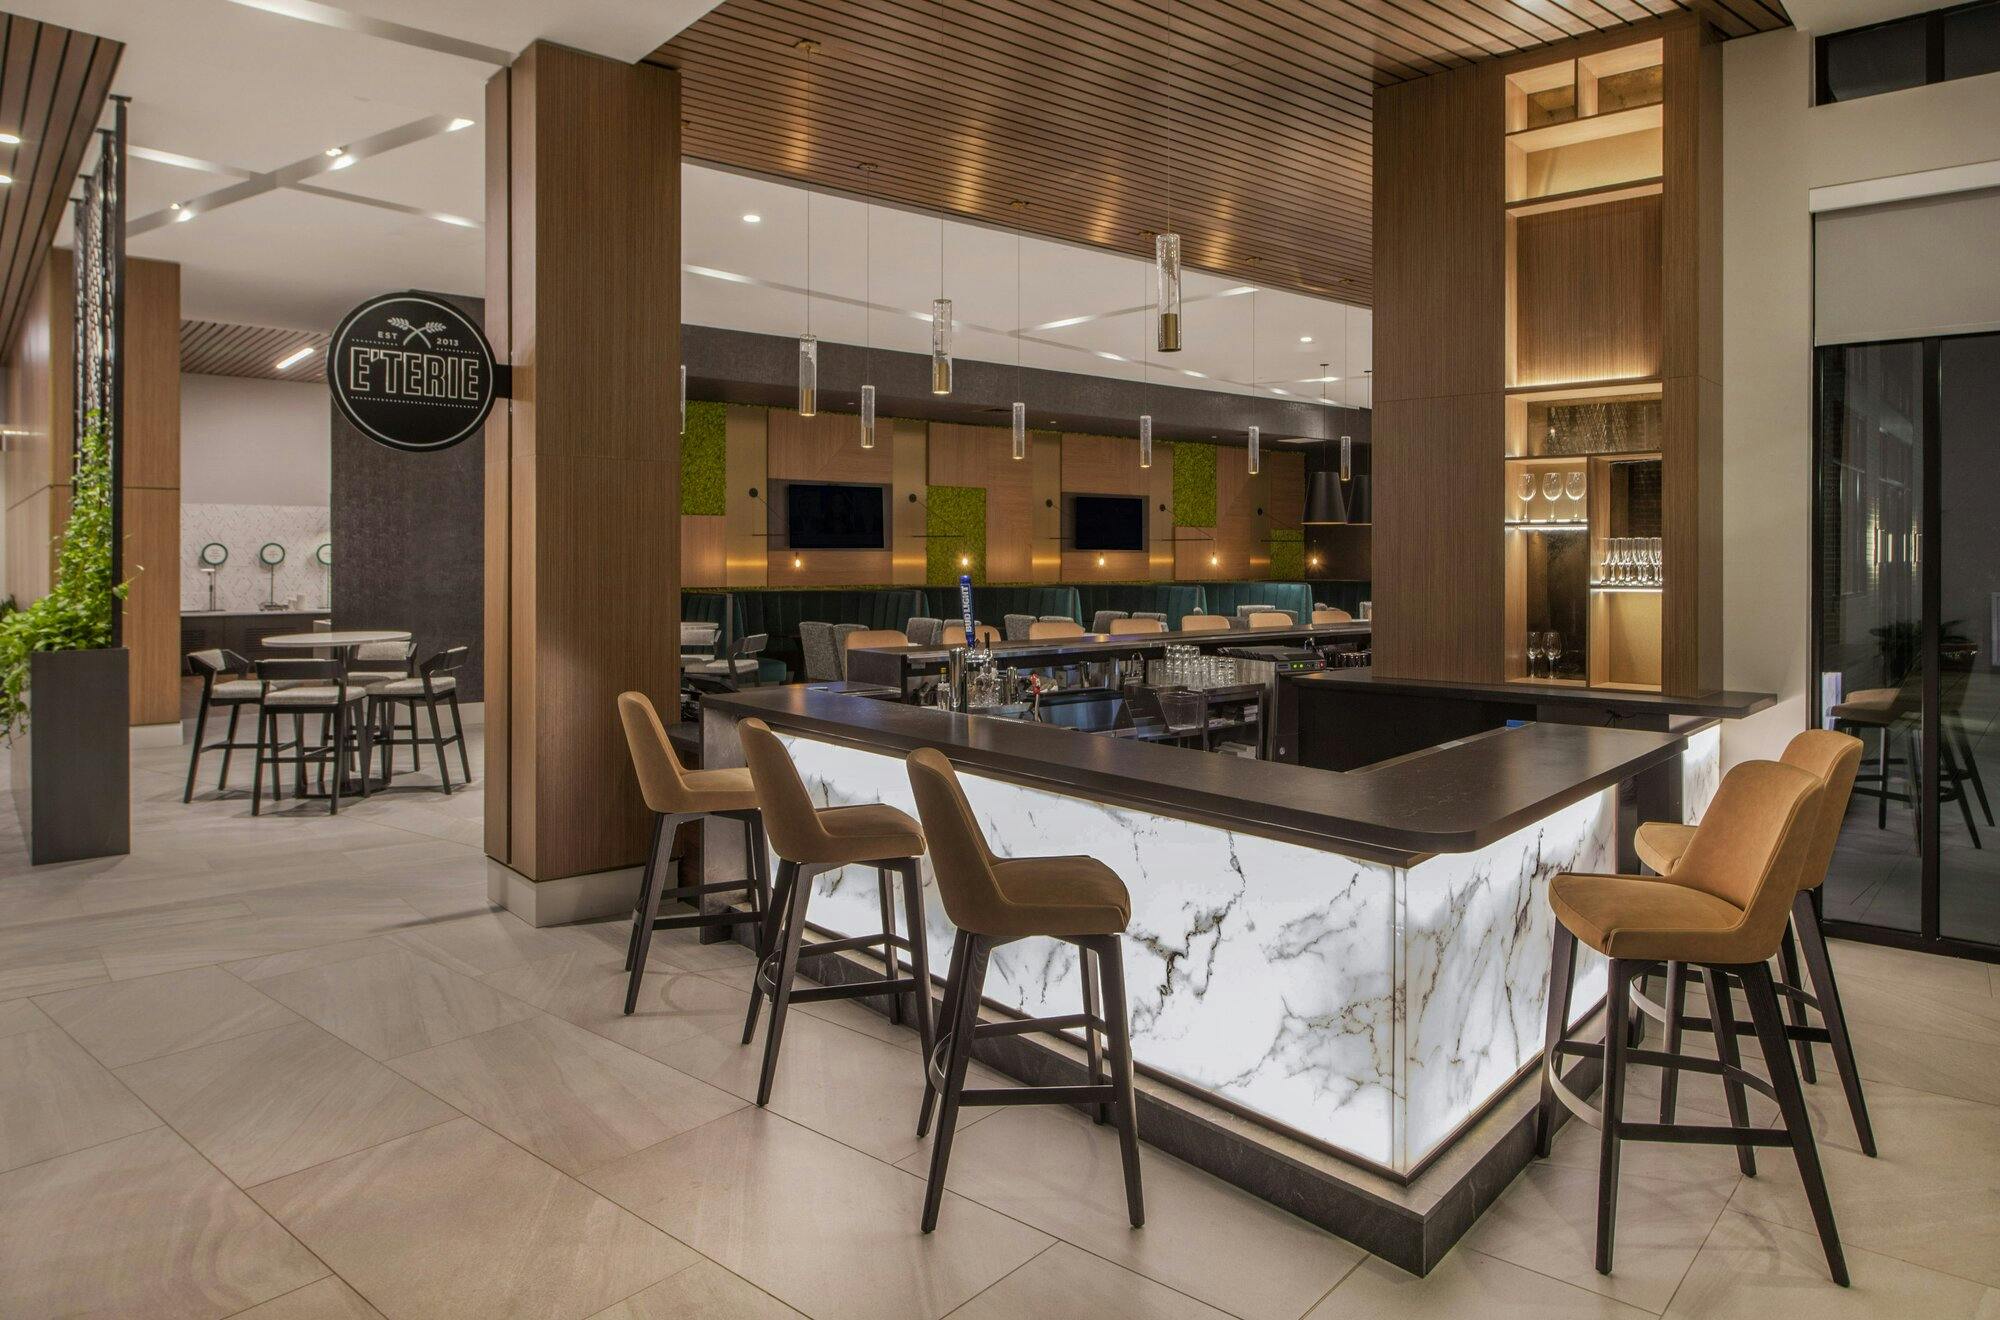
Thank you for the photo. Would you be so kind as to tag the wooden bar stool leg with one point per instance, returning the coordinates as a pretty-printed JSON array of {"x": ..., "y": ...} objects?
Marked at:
[
  {"x": 649, "y": 907},
  {"x": 1722, "y": 1017},
  {"x": 890, "y": 966},
  {"x": 767, "y": 941},
  {"x": 920, "y": 955},
  {"x": 954, "y": 985},
  {"x": 1616, "y": 1041},
  {"x": 458, "y": 736},
  {"x": 781, "y": 987},
  {"x": 200, "y": 733},
  {"x": 1111, "y": 967},
  {"x": 437, "y": 742},
  {"x": 1795, "y": 1012},
  {"x": 1676, "y": 1001},
  {"x": 1562, "y": 980},
  {"x": 1093, "y": 1007},
  {"x": 1812, "y": 942},
  {"x": 970, "y": 973},
  {"x": 1792, "y": 1103},
  {"x": 228, "y": 748},
  {"x": 257, "y": 773}
]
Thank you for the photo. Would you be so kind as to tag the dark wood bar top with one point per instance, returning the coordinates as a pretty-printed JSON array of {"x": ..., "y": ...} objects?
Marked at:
[
  {"x": 1096, "y": 644},
  {"x": 1728, "y": 705},
  {"x": 1458, "y": 797}
]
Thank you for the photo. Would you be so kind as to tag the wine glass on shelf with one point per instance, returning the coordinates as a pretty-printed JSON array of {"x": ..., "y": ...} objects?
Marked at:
[
  {"x": 1524, "y": 487},
  {"x": 1552, "y": 489},
  {"x": 1573, "y": 486},
  {"x": 1614, "y": 564},
  {"x": 1535, "y": 655},
  {"x": 1655, "y": 561},
  {"x": 1552, "y": 649}
]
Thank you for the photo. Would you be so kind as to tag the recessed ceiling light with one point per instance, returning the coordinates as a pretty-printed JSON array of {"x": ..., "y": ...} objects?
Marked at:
[
  {"x": 295, "y": 357},
  {"x": 457, "y": 124},
  {"x": 1305, "y": 339},
  {"x": 183, "y": 216},
  {"x": 752, "y": 218},
  {"x": 335, "y": 151},
  {"x": 10, "y": 139},
  {"x": 173, "y": 206},
  {"x": 341, "y": 162}
]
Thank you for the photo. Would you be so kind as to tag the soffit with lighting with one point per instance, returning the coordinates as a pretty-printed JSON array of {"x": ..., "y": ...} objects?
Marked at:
[
  {"x": 963, "y": 106},
  {"x": 217, "y": 348}
]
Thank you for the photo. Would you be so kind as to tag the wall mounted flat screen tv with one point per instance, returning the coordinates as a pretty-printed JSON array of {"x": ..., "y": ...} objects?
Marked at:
[
  {"x": 1108, "y": 522},
  {"x": 834, "y": 516}
]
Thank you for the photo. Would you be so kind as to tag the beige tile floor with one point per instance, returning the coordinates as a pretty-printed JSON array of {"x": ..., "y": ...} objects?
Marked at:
[{"x": 295, "y": 1068}]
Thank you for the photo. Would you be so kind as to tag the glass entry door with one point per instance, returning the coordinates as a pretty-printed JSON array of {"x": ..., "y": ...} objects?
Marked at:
[{"x": 1907, "y": 636}]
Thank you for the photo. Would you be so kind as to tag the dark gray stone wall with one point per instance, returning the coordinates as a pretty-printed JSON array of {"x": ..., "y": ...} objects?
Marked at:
[{"x": 409, "y": 540}]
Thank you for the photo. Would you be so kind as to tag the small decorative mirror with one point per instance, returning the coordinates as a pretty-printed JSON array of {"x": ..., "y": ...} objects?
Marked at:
[
  {"x": 215, "y": 554},
  {"x": 323, "y": 556},
  {"x": 271, "y": 555}
]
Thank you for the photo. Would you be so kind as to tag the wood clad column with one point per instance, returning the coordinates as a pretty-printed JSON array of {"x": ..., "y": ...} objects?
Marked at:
[
  {"x": 1440, "y": 418},
  {"x": 152, "y": 489},
  {"x": 582, "y": 529}
]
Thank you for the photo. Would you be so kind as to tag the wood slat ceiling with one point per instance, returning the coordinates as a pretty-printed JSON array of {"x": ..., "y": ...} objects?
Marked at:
[
  {"x": 1244, "y": 124},
  {"x": 52, "y": 87},
  {"x": 216, "y": 348}
]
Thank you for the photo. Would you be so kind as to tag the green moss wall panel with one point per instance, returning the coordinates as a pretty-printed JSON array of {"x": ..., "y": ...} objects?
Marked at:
[
  {"x": 704, "y": 487},
  {"x": 1194, "y": 485},
  {"x": 957, "y": 528}
]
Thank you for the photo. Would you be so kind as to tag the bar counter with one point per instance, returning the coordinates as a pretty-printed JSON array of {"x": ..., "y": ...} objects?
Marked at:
[{"x": 1358, "y": 959}]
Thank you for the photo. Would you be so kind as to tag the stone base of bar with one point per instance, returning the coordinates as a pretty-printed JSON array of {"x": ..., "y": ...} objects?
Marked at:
[{"x": 1410, "y": 1225}]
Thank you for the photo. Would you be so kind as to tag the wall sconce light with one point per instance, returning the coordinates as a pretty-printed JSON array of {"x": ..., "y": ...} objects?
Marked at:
[
  {"x": 1214, "y": 560},
  {"x": 1100, "y": 561},
  {"x": 965, "y": 561},
  {"x": 798, "y": 562}
]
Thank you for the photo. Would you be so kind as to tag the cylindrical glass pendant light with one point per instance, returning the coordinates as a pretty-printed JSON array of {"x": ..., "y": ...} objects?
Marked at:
[
  {"x": 1167, "y": 275},
  {"x": 867, "y": 416},
  {"x": 1020, "y": 431},
  {"x": 941, "y": 346},
  {"x": 1256, "y": 451},
  {"x": 1145, "y": 440},
  {"x": 684, "y": 398},
  {"x": 808, "y": 375},
  {"x": 1347, "y": 458}
]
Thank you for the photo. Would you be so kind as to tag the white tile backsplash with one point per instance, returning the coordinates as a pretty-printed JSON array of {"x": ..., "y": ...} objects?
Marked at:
[{"x": 244, "y": 584}]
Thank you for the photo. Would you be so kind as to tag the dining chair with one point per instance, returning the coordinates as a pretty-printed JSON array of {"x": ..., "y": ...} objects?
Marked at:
[
  {"x": 225, "y": 681},
  {"x": 298, "y": 688},
  {"x": 435, "y": 683}
]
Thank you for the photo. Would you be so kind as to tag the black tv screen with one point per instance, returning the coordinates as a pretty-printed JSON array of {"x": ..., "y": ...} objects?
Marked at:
[
  {"x": 1109, "y": 522},
  {"x": 834, "y": 517}
]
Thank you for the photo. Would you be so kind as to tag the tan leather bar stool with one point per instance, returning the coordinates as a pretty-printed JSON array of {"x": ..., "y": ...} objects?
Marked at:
[
  {"x": 1723, "y": 909},
  {"x": 810, "y": 841},
  {"x": 677, "y": 796},
  {"x": 1136, "y": 627},
  {"x": 1204, "y": 623},
  {"x": 993, "y": 902},
  {"x": 1835, "y": 760}
]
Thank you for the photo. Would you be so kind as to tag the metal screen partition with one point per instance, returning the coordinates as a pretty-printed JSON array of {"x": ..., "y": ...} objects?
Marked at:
[{"x": 99, "y": 216}]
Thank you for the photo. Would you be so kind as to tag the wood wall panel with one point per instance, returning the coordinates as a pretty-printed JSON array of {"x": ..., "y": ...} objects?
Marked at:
[
  {"x": 702, "y": 560},
  {"x": 1437, "y": 556},
  {"x": 1160, "y": 515},
  {"x": 152, "y": 481},
  {"x": 746, "y": 521},
  {"x": 38, "y": 407},
  {"x": 983, "y": 456},
  {"x": 1587, "y": 293},
  {"x": 1285, "y": 490},
  {"x": 830, "y": 568},
  {"x": 1102, "y": 465},
  {"x": 151, "y": 626},
  {"x": 1440, "y": 259},
  {"x": 909, "y": 518},
  {"x": 1045, "y": 506},
  {"x": 591, "y": 237},
  {"x": 497, "y": 617},
  {"x": 824, "y": 447}
]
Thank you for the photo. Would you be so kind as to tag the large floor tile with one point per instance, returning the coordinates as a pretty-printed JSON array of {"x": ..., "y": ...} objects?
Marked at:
[
  {"x": 702, "y": 1291},
  {"x": 587, "y": 986},
  {"x": 270, "y": 1104},
  {"x": 139, "y": 1227},
  {"x": 1751, "y": 1269},
  {"x": 1464, "y": 1285},
  {"x": 479, "y": 942},
  {"x": 329, "y": 1299},
  {"x": 1930, "y": 1197},
  {"x": 575, "y": 1099},
  {"x": 1060, "y": 1172},
  {"x": 394, "y": 1003},
  {"x": 817, "y": 1224},
  {"x": 127, "y": 1021},
  {"x": 55, "y": 1098},
  {"x": 455, "y": 1222},
  {"x": 250, "y": 937},
  {"x": 1906, "y": 1054},
  {"x": 1546, "y": 1221},
  {"x": 19, "y": 1015},
  {"x": 32, "y": 973},
  {"x": 299, "y": 960},
  {"x": 1066, "y": 1281}
]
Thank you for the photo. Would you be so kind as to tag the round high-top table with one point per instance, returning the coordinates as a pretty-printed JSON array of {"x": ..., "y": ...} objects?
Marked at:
[{"x": 343, "y": 640}]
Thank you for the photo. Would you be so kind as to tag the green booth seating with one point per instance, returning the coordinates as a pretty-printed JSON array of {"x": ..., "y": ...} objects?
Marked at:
[
  {"x": 1225, "y": 597},
  {"x": 992, "y": 604},
  {"x": 1341, "y": 595},
  {"x": 1172, "y": 599},
  {"x": 779, "y": 611}
]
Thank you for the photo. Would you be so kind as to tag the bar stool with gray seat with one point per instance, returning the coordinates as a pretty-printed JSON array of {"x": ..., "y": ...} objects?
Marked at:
[
  {"x": 1101, "y": 621},
  {"x": 217, "y": 690},
  {"x": 678, "y": 796},
  {"x": 994, "y": 901},
  {"x": 810, "y": 841},
  {"x": 298, "y": 688},
  {"x": 435, "y": 683},
  {"x": 1835, "y": 760},
  {"x": 1724, "y": 909}
]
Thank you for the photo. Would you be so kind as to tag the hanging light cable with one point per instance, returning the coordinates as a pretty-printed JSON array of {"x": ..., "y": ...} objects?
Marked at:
[
  {"x": 1146, "y": 382},
  {"x": 808, "y": 345},
  {"x": 941, "y": 327},
  {"x": 867, "y": 323},
  {"x": 1256, "y": 433},
  {"x": 1020, "y": 405}
]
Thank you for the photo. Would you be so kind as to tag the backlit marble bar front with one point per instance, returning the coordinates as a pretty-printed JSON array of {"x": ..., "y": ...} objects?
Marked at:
[{"x": 1358, "y": 958}]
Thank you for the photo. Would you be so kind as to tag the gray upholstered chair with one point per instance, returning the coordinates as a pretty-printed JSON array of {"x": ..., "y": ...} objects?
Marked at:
[
  {"x": 841, "y": 632},
  {"x": 435, "y": 684},
  {"x": 736, "y": 669},
  {"x": 816, "y": 643},
  {"x": 922, "y": 631},
  {"x": 1245, "y": 611},
  {"x": 225, "y": 681},
  {"x": 1100, "y": 622},
  {"x": 699, "y": 639},
  {"x": 1015, "y": 626},
  {"x": 298, "y": 688},
  {"x": 380, "y": 662},
  {"x": 1148, "y": 614}
]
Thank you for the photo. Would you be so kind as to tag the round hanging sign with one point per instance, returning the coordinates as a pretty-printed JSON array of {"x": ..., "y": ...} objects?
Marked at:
[{"x": 411, "y": 371}]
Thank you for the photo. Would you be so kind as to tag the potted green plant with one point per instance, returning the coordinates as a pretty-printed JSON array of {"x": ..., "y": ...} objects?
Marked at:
[{"x": 63, "y": 686}]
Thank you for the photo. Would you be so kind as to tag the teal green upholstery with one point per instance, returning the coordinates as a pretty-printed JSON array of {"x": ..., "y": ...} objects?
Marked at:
[
  {"x": 1172, "y": 599},
  {"x": 707, "y": 607},
  {"x": 1342, "y": 595},
  {"x": 990, "y": 604},
  {"x": 1224, "y": 597},
  {"x": 779, "y": 611}
]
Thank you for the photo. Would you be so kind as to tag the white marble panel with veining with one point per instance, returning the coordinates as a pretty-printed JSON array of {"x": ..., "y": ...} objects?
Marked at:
[{"x": 1701, "y": 772}]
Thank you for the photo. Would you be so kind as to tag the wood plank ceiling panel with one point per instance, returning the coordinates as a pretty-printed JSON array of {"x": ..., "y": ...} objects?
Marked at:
[
  {"x": 1246, "y": 125},
  {"x": 53, "y": 83},
  {"x": 214, "y": 348}
]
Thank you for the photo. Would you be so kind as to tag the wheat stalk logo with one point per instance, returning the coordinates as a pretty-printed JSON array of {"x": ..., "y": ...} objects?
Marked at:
[{"x": 422, "y": 332}]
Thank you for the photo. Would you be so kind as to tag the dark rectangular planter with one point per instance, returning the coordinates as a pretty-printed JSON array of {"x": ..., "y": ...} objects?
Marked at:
[{"x": 72, "y": 766}]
